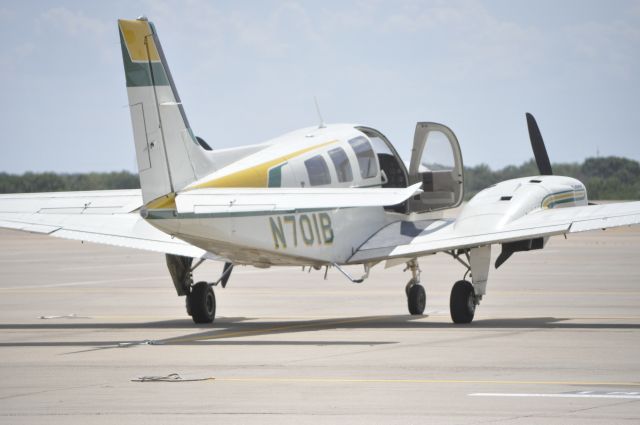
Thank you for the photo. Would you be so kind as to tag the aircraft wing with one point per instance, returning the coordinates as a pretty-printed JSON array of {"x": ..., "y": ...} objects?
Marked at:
[
  {"x": 404, "y": 239},
  {"x": 107, "y": 217},
  {"x": 221, "y": 200}
]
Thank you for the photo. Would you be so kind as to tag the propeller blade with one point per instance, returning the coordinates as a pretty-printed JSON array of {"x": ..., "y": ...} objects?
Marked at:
[{"x": 539, "y": 151}]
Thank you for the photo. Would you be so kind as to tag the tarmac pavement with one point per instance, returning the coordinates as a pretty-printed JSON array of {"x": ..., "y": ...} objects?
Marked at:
[{"x": 556, "y": 340}]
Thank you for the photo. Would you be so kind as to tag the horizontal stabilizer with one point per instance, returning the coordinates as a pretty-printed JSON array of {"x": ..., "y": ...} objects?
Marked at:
[
  {"x": 87, "y": 202},
  {"x": 218, "y": 201},
  {"x": 107, "y": 217}
]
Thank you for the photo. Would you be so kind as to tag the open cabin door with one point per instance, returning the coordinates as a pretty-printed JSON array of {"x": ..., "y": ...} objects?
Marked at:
[{"x": 436, "y": 162}]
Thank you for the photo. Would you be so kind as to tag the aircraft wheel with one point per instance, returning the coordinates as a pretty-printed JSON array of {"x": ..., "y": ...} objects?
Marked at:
[
  {"x": 416, "y": 299},
  {"x": 462, "y": 303},
  {"x": 201, "y": 303},
  {"x": 186, "y": 301}
]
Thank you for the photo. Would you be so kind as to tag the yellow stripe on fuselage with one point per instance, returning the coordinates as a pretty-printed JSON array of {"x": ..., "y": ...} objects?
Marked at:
[
  {"x": 255, "y": 176},
  {"x": 135, "y": 33},
  {"x": 164, "y": 202}
]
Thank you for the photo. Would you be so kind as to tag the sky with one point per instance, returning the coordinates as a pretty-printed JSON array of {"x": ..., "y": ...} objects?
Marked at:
[{"x": 248, "y": 71}]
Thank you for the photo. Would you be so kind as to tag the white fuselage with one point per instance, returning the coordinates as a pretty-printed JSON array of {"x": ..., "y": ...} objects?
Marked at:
[
  {"x": 296, "y": 237},
  {"x": 324, "y": 236}
]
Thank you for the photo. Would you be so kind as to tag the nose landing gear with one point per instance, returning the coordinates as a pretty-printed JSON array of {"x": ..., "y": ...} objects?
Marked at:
[
  {"x": 416, "y": 299},
  {"x": 416, "y": 295}
]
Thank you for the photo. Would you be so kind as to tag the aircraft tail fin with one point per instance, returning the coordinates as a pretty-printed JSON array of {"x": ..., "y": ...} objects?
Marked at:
[{"x": 169, "y": 156}]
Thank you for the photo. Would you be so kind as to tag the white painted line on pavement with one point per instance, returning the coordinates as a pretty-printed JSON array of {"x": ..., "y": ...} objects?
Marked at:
[{"x": 585, "y": 394}]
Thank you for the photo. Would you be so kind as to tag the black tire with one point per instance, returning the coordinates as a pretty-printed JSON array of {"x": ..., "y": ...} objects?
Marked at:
[
  {"x": 201, "y": 303},
  {"x": 186, "y": 302},
  {"x": 409, "y": 285},
  {"x": 462, "y": 303},
  {"x": 416, "y": 299}
]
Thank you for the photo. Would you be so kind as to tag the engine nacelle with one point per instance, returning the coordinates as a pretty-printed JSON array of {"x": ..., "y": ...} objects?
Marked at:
[{"x": 500, "y": 204}]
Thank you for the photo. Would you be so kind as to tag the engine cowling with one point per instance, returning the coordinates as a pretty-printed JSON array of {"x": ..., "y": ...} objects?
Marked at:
[{"x": 500, "y": 204}]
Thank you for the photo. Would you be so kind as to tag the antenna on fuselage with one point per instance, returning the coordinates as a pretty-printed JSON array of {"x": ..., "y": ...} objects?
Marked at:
[{"x": 315, "y": 100}]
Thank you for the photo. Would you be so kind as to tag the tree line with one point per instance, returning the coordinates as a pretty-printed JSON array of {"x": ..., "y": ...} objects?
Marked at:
[
  {"x": 54, "y": 182},
  {"x": 605, "y": 178}
]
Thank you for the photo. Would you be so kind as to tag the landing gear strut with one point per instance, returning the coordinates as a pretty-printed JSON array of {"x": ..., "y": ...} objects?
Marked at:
[
  {"x": 465, "y": 295},
  {"x": 416, "y": 296},
  {"x": 201, "y": 300}
]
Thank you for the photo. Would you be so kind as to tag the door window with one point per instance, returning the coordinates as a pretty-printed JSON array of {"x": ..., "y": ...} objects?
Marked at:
[
  {"x": 437, "y": 154},
  {"x": 436, "y": 162}
]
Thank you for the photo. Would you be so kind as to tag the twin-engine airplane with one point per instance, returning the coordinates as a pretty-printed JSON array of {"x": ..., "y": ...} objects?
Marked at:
[{"x": 320, "y": 197}]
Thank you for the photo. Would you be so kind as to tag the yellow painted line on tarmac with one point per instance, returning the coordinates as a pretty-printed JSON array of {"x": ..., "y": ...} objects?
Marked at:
[
  {"x": 424, "y": 381},
  {"x": 313, "y": 326}
]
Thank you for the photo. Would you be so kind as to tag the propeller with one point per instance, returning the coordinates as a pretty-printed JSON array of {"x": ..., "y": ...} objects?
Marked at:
[
  {"x": 539, "y": 151},
  {"x": 544, "y": 167}
]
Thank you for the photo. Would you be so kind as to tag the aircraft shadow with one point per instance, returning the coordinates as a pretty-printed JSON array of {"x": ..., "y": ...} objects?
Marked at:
[
  {"x": 78, "y": 324},
  {"x": 359, "y": 322},
  {"x": 246, "y": 329},
  {"x": 235, "y": 330}
]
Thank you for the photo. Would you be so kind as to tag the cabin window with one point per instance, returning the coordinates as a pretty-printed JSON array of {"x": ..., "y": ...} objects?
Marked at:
[
  {"x": 318, "y": 171},
  {"x": 366, "y": 157},
  {"x": 342, "y": 164}
]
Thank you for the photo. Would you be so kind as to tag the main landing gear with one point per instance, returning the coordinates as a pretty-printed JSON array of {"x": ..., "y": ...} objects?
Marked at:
[
  {"x": 200, "y": 298},
  {"x": 465, "y": 295},
  {"x": 201, "y": 303},
  {"x": 462, "y": 303}
]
